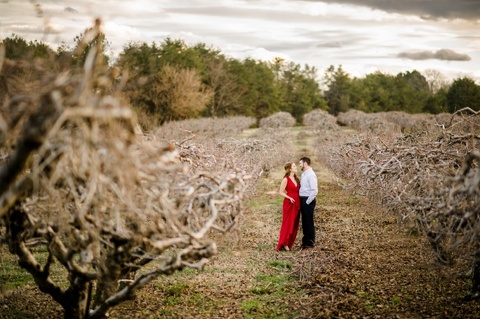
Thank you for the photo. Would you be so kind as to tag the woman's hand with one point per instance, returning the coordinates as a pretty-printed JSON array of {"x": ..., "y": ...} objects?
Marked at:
[{"x": 292, "y": 200}]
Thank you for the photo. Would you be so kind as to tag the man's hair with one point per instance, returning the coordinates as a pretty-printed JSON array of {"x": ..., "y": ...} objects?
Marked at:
[{"x": 306, "y": 160}]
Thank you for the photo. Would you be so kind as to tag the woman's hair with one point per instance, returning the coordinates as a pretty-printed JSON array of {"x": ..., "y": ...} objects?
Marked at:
[{"x": 288, "y": 169}]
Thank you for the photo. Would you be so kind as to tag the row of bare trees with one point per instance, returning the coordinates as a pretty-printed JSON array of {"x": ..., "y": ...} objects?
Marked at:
[{"x": 430, "y": 179}]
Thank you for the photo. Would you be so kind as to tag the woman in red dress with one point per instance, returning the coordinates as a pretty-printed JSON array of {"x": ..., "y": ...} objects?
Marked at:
[{"x": 291, "y": 206}]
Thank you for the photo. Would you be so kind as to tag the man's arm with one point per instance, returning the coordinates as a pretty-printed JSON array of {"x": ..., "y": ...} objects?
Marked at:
[{"x": 313, "y": 183}]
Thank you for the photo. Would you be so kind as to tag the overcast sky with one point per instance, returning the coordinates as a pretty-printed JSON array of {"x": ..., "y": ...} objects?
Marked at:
[{"x": 363, "y": 36}]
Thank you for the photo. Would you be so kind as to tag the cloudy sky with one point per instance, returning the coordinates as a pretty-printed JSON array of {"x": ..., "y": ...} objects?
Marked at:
[{"x": 363, "y": 36}]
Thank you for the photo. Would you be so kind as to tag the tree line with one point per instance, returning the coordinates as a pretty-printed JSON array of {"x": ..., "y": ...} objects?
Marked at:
[{"x": 172, "y": 81}]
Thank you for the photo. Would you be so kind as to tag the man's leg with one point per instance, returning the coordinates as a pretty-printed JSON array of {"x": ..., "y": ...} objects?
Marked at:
[{"x": 308, "y": 226}]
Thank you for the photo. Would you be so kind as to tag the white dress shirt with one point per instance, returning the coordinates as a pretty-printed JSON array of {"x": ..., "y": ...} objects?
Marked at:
[{"x": 309, "y": 185}]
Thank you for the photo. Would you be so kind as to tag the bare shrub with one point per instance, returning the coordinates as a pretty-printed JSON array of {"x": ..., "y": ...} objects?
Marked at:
[
  {"x": 452, "y": 122},
  {"x": 321, "y": 120},
  {"x": 102, "y": 200},
  {"x": 367, "y": 122},
  {"x": 218, "y": 145},
  {"x": 280, "y": 119},
  {"x": 19, "y": 77},
  {"x": 209, "y": 128},
  {"x": 256, "y": 154},
  {"x": 395, "y": 122},
  {"x": 413, "y": 123},
  {"x": 215, "y": 142},
  {"x": 443, "y": 119},
  {"x": 330, "y": 149},
  {"x": 325, "y": 129}
]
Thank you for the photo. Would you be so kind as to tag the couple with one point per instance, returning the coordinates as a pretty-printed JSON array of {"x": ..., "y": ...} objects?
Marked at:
[{"x": 299, "y": 196}]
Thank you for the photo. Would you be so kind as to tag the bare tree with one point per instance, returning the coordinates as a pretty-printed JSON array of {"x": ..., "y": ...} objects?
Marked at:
[
  {"x": 100, "y": 198},
  {"x": 436, "y": 80},
  {"x": 430, "y": 181}
]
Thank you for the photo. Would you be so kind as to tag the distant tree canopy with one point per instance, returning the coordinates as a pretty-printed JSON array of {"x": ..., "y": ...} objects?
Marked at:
[
  {"x": 339, "y": 90},
  {"x": 83, "y": 45},
  {"x": 463, "y": 93},
  {"x": 211, "y": 84},
  {"x": 409, "y": 92},
  {"x": 174, "y": 94},
  {"x": 249, "y": 87},
  {"x": 167, "y": 81},
  {"x": 299, "y": 89},
  {"x": 17, "y": 48}
]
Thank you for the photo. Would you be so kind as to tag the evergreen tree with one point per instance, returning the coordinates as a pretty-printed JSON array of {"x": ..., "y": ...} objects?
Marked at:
[
  {"x": 338, "y": 84},
  {"x": 463, "y": 92},
  {"x": 299, "y": 88}
]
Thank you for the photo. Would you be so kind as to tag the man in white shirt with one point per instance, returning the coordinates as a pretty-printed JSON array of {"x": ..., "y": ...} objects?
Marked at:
[{"x": 308, "y": 194}]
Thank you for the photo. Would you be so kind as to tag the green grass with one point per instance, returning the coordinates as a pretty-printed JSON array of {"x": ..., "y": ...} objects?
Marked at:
[
  {"x": 271, "y": 291},
  {"x": 13, "y": 276},
  {"x": 280, "y": 264},
  {"x": 370, "y": 300},
  {"x": 251, "y": 306},
  {"x": 266, "y": 246},
  {"x": 177, "y": 295},
  {"x": 266, "y": 202},
  {"x": 14, "y": 313},
  {"x": 176, "y": 289},
  {"x": 254, "y": 308},
  {"x": 395, "y": 300}
]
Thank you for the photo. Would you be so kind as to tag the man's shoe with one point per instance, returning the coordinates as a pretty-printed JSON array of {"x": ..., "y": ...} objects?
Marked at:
[{"x": 306, "y": 248}]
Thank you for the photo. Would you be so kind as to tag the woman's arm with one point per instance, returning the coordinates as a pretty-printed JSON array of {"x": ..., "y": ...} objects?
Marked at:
[{"x": 283, "y": 190}]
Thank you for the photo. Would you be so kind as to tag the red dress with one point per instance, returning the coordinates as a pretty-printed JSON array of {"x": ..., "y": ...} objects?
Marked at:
[{"x": 290, "y": 217}]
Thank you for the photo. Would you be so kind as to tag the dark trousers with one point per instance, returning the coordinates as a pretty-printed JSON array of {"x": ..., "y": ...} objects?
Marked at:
[{"x": 308, "y": 226}]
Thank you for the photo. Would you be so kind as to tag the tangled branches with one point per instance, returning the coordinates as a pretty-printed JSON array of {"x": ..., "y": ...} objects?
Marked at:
[
  {"x": 431, "y": 182},
  {"x": 215, "y": 144},
  {"x": 102, "y": 199}
]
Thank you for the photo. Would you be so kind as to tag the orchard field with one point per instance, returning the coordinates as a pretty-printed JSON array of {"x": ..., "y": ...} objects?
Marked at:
[{"x": 364, "y": 266}]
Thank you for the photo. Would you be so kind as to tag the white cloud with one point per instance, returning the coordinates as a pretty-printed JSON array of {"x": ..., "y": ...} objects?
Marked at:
[{"x": 320, "y": 34}]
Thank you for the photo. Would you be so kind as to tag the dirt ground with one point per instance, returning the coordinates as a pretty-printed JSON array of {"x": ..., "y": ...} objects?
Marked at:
[{"x": 364, "y": 266}]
